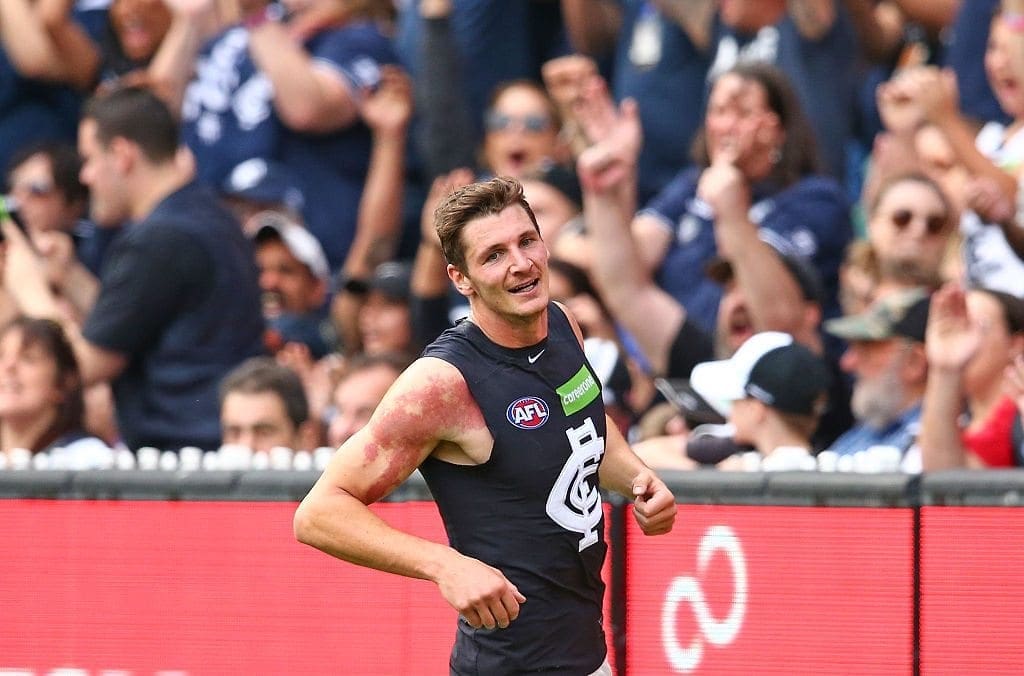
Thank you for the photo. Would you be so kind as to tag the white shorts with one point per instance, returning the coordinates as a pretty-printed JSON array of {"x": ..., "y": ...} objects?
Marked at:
[{"x": 603, "y": 670}]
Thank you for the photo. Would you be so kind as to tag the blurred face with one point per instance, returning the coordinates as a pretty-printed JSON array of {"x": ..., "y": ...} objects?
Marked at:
[
  {"x": 286, "y": 282},
  {"x": 551, "y": 208},
  {"x": 140, "y": 26},
  {"x": 739, "y": 124},
  {"x": 734, "y": 324},
  {"x": 520, "y": 132},
  {"x": 1005, "y": 81},
  {"x": 998, "y": 347},
  {"x": 108, "y": 199},
  {"x": 878, "y": 391},
  {"x": 257, "y": 420},
  {"x": 41, "y": 205},
  {"x": 745, "y": 416},
  {"x": 355, "y": 399},
  {"x": 750, "y": 16},
  {"x": 910, "y": 227},
  {"x": 28, "y": 379},
  {"x": 384, "y": 324},
  {"x": 506, "y": 267}
]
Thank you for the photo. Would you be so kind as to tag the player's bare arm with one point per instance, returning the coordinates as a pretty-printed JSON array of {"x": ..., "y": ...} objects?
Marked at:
[
  {"x": 654, "y": 506},
  {"x": 427, "y": 410}
]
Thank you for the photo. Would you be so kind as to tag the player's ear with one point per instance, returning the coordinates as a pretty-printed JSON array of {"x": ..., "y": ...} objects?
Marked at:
[{"x": 460, "y": 280}]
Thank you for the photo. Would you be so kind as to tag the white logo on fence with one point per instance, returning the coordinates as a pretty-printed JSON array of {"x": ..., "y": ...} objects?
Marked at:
[{"x": 685, "y": 658}]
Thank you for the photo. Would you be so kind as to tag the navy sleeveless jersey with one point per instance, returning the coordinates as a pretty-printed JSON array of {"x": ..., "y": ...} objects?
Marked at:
[{"x": 533, "y": 510}]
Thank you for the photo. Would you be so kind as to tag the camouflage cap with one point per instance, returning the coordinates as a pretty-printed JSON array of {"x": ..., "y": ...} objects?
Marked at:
[{"x": 902, "y": 314}]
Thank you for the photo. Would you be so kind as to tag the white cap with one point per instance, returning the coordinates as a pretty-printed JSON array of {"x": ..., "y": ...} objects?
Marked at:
[
  {"x": 722, "y": 382},
  {"x": 300, "y": 241}
]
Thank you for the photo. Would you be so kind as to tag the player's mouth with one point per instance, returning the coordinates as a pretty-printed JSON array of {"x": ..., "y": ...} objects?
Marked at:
[{"x": 525, "y": 288}]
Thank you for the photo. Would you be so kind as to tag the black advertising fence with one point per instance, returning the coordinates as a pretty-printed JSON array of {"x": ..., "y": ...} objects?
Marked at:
[{"x": 803, "y": 572}]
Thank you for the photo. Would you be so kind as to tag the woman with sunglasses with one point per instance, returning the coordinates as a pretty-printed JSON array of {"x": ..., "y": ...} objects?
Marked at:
[
  {"x": 521, "y": 130},
  {"x": 993, "y": 156},
  {"x": 909, "y": 240}
]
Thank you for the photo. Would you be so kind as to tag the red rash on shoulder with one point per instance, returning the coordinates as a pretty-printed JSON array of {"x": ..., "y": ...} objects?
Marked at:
[{"x": 439, "y": 409}]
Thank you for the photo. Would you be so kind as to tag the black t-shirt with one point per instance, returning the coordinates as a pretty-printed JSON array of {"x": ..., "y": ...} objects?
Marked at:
[{"x": 179, "y": 298}]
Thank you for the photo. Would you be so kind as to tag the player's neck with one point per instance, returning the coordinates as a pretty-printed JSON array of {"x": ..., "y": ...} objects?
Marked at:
[{"x": 511, "y": 331}]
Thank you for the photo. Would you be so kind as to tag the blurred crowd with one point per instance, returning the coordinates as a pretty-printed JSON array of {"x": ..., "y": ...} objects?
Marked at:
[{"x": 791, "y": 230}]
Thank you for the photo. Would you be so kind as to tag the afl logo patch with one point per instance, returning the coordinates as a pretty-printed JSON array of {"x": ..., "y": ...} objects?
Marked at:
[{"x": 527, "y": 413}]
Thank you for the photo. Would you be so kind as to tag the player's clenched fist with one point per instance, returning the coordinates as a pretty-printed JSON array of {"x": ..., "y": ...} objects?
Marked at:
[
  {"x": 654, "y": 506},
  {"x": 481, "y": 593}
]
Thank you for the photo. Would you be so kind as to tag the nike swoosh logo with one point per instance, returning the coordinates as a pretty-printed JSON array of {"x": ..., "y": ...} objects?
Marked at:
[{"x": 535, "y": 357}]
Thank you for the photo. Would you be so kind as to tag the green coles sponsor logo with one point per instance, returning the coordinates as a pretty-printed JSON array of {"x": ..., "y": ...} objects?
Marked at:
[{"x": 579, "y": 391}]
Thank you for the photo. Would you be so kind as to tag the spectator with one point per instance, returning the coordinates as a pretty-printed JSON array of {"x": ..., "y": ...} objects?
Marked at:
[
  {"x": 435, "y": 305},
  {"x": 474, "y": 45},
  {"x": 52, "y": 202},
  {"x": 99, "y": 46},
  {"x": 294, "y": 279},
  {"x": 626, "y": 390},
  {"x": 42, "y": 93},
  {"x": 387, "y": 112},
  {"x": 134, "y": 33},
  {"x": 521, "y": 125},
  {"x": 556, "y": 190},
  {"x": 967, "y": 41},
  {"x": 887, "y": 360},
  {"x": 165, "y": 328},
  {"x": 263, "y": 405},
  {"x": 909, "y": 241},
  {"x": 755, "y": 184},
  {"x": 773, "y": 391},
  {"x": 41, "y": 403},
  {"x": 557, "y": 201},
  {"x": 661, "y": 53},
  {"x": 973, "y": 338},
  {"x": 789, "y": 300},
  {"x": 992, "y": 158},
  {"x": 256, "y": 185},
  {"x": 680, "y": 339},
  {"x": 283, "y": 86},
  {"x": 385, "y": 320},
  {"x": 43, "y": 180},
  {"x": 362, "y": 386},
  {"x": 909, "y": 229},
  {"x": 814, "y": 44}
]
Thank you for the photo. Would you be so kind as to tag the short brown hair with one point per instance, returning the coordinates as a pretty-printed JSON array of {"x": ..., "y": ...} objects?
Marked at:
[
  {"x": 798, "y": 423},
  {"x": 476, "y": 200}
]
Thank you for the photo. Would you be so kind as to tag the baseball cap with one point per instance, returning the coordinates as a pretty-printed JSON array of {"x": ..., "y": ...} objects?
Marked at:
[
  {"x": 300, "y": 242},
  {"x": 392, "y": 278},
  {"x": 900, "y": 314},
  {"x": 693, "y": 407},
  {"x": 265, "y": 182},
  {"x": 720, "y": 270},
  {"x": 770, "y": 367}
]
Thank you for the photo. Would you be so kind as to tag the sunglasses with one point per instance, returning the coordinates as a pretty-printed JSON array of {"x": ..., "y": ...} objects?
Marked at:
[
  {"x": 933, "y": 223},
  {"x": 34, "y": 188},
  {"x": 530, "y": 123}
]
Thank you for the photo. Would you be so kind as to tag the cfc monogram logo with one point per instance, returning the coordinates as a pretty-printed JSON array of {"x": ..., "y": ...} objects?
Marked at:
[
  {"x": 574, "y": 503},
  {"x": 686, "y": 658}
]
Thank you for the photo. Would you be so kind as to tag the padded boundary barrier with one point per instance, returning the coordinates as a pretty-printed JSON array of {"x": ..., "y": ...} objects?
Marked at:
[{"x": 959, "y": 489}]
